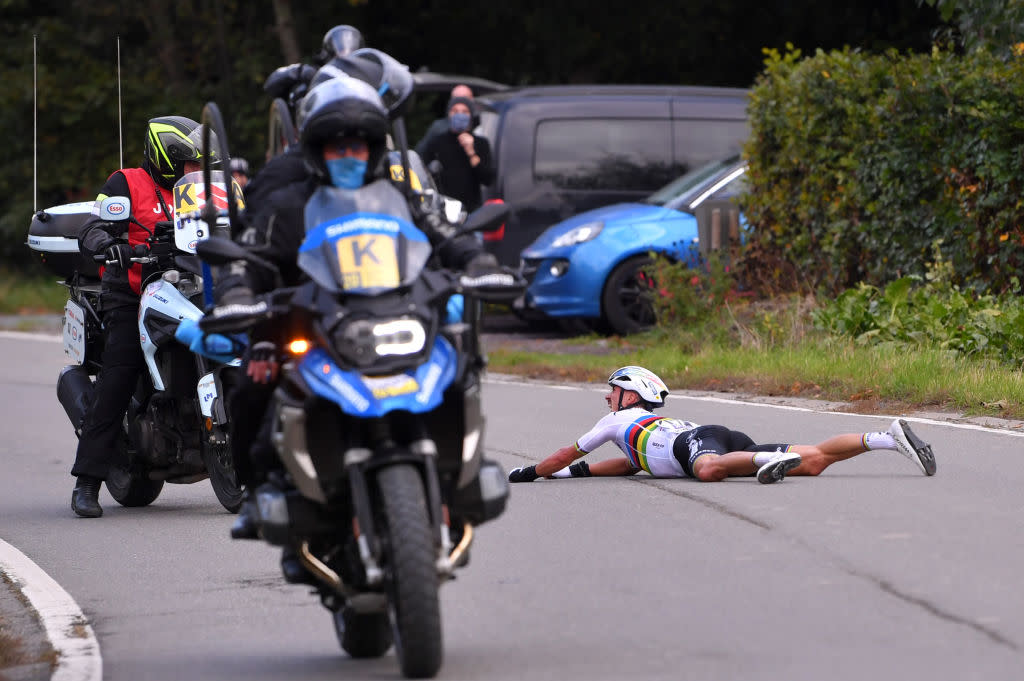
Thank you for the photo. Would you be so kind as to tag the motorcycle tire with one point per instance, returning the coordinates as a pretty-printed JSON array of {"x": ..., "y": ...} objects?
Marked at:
[
  {"x": 365, "y": 635},
  {"x": 128, "y": 483},
  {"x": 282, "y": 133},
  {"x": 223, "y": 477},
  {"x": 132, "y": 488},
  {"x": 410, "y": 554}
]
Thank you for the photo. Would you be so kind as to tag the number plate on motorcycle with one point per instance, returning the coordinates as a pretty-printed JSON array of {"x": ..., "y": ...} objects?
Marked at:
[
  {"x": 74, "y": 332},
  {"x": 368, "y": 261}
]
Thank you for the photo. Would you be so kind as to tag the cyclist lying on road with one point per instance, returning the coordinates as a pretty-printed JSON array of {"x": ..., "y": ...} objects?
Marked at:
[{"x": 673, "y": 448}]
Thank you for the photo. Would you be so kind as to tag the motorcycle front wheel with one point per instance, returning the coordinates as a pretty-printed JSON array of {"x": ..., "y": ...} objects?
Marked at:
[
  {"x": 410, "y": 557},
  {"x": 223, "y": 477}
]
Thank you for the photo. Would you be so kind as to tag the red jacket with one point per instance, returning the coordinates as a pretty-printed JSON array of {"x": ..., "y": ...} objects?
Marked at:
[
  {"x": 148, "y": 210},
  {"x": 96, "y": 236}
]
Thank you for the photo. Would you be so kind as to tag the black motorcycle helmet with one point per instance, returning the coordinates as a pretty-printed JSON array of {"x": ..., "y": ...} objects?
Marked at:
[
  {"x": 340, "y": 41},
  {"x": 339, "y": 107},
  {"x": 170, "y": 141},
  {"x": 395, "y": 85},
  {"x": 391, "y": 79}
]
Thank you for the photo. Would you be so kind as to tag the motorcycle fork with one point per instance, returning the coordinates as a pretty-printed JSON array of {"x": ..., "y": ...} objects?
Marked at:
[{"x": 358, "y": 462}]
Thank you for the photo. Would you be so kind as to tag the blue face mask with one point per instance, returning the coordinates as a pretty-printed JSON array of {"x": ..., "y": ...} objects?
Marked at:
[
  {"x": 458, "y": 122},
  {"x": 346, "y": 173}
]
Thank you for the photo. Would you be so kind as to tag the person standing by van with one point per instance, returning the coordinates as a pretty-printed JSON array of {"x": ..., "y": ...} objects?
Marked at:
[
  {"x": 465, "y": 158},
  {"x": 440, "y": 125}
]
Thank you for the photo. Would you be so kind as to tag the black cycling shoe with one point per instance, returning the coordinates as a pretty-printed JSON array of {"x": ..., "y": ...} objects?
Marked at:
[
  {"x": 85, "y": 500},
  {"x": 247, "y": 525}
]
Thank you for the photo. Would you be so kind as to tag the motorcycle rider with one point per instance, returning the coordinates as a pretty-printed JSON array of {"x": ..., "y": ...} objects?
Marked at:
[
  {"x": 291, "y": 83},
  {"x": 343, "y": 129},
  {"x": 172, "y": 148}
]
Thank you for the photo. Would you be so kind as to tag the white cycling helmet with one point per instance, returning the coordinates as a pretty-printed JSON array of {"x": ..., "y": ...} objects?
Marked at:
[{"x": 645, "y": 383}]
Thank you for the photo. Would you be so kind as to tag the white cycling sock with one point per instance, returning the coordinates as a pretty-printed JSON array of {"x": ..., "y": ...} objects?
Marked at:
[
  {"x": 878, "y": 441},
  {"x": 761, "y": 458}
]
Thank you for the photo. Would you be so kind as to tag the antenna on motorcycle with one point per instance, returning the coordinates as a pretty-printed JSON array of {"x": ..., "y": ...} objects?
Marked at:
[
  {"x": 35, "y": 131},
  {"x": 120, "y": 132}
]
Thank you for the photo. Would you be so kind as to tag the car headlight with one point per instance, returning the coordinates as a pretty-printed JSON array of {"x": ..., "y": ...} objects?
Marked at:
[{"x": 578, "y": 235}]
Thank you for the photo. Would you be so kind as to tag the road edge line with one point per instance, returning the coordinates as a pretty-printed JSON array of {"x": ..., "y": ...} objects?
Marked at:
[{"x": 70, "y": 634}]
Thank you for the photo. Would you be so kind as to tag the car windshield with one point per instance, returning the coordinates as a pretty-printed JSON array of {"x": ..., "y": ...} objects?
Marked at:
[{"x": 690, "y": 183}]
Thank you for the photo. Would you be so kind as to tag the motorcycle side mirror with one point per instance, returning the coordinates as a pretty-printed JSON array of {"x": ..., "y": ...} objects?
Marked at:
[
  {"x": 487, "y": 217},
  {"x": 115, "y": 208}
]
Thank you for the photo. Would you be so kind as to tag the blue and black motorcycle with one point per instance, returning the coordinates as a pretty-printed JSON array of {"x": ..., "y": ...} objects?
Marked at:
[{"x": 377, "y": 417}]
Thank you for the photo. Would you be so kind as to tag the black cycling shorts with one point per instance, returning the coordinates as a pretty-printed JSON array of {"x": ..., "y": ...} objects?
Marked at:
[{"x": 716, "y": 440}]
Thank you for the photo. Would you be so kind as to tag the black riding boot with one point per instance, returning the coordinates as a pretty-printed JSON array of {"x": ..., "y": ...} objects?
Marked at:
[
  {"x": 247, "y": 524},
  {"x": 85, "y": 500}
]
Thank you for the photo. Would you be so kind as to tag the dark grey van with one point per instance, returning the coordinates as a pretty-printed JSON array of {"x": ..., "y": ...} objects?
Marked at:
[{"x": 564, "y": 149}]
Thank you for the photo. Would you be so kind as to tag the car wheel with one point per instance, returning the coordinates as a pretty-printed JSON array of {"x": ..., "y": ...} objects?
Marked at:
[{"x": 626, "y": 303}]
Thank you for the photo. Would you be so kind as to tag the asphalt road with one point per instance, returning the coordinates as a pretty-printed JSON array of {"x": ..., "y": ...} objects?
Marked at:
[{"x": 869, "y": 571}]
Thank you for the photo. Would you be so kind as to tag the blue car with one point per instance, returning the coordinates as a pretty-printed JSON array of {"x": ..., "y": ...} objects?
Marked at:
[{"x": 588, "y": 267}]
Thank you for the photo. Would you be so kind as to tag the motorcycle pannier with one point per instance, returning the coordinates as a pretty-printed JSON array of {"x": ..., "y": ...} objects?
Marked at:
[{"x": 54, "y": 235}]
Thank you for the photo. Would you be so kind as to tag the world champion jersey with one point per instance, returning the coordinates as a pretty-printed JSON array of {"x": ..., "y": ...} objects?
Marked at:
[{"x": 644, "y": 437}]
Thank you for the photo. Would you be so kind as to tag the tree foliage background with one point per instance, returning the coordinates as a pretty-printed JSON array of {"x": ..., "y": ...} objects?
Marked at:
[{"x": 66, "y": 125}]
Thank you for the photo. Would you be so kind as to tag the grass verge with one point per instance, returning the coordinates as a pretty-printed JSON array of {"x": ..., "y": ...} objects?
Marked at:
[
  {"x": 30, "y": 293},
  {"x": 872, "y": 379}
]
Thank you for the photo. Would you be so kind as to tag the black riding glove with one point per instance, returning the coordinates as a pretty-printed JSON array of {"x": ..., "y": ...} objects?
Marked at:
[
  {"x": 580, "y": 469},
  {"x": 481, "y": 264},
  {"x": 122, "y": 254},
  {"x": 264, "y": 351},
  {"x": 236, "y": 295},
  {"x": 527, "y": 474}
]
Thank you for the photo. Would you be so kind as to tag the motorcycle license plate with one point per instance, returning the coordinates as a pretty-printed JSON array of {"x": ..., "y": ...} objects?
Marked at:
[
  {"x": 74, "y": 331},
  {"x": 207, "y": 390}
]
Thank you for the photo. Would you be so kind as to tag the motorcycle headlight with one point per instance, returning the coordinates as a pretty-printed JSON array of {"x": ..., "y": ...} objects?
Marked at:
[
  {"x": 578, "y": 235},
  {"x": 399, "y": 337},
  {"x": 364, "y": 340}
]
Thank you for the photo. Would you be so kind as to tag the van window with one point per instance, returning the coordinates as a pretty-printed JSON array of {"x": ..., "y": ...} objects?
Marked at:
[
  {"x": 604, "y": 153},
  {"x": 698, "y": 141}
]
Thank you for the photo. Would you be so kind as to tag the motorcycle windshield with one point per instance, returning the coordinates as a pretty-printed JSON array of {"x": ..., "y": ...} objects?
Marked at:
[
  {"x": 190, "y": 197},
  {"x": 361, "y": 241}
]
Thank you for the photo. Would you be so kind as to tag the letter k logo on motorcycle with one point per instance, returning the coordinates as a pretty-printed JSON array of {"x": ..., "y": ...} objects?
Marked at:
[
  {"x": 184, "y": 198},
  {"x": 368, "y": 261}
]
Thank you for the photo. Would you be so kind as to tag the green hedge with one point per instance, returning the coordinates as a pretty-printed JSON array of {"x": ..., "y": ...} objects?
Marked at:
[{"x": 860, "y": 165}]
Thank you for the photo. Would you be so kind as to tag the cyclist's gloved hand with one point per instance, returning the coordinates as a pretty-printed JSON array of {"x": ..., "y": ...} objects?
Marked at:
[{"x": 527, "y": 474}]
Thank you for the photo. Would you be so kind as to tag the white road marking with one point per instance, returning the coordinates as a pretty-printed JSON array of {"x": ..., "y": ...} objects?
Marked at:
[
  {"x": 69, "y": 631},
  {"x": 508, "y": 380}
]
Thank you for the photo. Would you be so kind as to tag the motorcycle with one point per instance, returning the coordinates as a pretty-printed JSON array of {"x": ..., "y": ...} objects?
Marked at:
[
  {"x": 377, "y": 417},
  {"x": 175, "y": 430}
]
